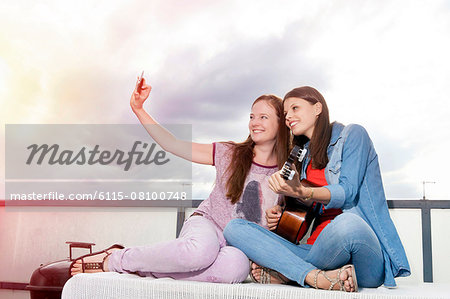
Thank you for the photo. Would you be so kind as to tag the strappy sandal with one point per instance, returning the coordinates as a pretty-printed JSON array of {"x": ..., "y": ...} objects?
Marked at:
[
  {"x": 336, "y": 280},
  {"x": 95, "y": 265},
  {"x": 266, "y": 276}
]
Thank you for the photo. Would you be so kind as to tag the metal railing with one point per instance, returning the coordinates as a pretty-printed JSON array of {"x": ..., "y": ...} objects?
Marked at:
[{"x": 425, "y": 206}]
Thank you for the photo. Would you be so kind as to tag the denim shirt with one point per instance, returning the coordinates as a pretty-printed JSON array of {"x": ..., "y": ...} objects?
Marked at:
[{"x": 354, "y": 181}]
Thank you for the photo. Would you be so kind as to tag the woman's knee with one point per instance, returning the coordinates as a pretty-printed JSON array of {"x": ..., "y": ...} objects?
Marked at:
[
  {"x": 234, "y": 264},
  {"x": 197, "y": 255},
  {"x": 349, "y": 225},
  {"x": 235, "y": 229}
]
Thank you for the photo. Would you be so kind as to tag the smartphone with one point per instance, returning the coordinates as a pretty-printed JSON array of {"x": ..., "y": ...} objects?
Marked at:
[{"x": 139, "y": 88}]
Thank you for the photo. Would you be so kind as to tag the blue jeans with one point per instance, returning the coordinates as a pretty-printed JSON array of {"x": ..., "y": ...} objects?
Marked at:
[{"x": 347, "y": 239}]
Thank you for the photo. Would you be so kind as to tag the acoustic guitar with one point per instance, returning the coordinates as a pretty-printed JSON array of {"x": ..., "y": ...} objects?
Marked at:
[{"x": 296, "y": 217}]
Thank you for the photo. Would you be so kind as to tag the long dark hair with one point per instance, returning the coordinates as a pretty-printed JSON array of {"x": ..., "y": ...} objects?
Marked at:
[
  {"x": 242, "y": 156},
  {"x": 322, "y": 128}
]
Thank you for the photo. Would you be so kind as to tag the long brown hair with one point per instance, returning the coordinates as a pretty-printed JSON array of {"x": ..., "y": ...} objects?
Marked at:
[
  {"x": 242, "y": 156},
  {"x": 322, "y": 128}
]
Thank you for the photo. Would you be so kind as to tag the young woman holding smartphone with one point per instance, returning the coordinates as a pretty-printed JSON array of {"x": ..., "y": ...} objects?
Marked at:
[{"x": 241, "y": 190}]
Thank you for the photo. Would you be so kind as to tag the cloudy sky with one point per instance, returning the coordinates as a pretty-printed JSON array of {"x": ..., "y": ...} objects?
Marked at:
[{"x": 383, "y": 64}]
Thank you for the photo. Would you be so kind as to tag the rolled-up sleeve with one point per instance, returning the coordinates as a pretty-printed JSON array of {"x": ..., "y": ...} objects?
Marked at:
[{"x": 337, "y": 199}]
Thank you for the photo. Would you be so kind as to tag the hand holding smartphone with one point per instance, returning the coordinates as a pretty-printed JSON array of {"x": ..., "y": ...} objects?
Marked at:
[{"x": 140, "y": 83}]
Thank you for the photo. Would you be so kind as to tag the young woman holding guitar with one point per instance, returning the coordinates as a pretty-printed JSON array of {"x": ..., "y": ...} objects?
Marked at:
[
  {"x": 354, "y": 241},
  {"x": 241, "y": 190}
]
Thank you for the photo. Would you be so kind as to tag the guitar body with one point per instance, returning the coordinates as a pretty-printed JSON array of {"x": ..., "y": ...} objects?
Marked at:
[{"x": 295, "y": 220}]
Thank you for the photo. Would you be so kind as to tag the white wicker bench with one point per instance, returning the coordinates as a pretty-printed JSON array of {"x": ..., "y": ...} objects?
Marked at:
[{"x": 128, "y": 286}]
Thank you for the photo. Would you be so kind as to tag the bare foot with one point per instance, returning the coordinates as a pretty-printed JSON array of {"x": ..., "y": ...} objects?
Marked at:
[
  {"x": 270, "y": 276},
  {"x": 92, "y": 263},
  {"x": 338, "y": 279}
]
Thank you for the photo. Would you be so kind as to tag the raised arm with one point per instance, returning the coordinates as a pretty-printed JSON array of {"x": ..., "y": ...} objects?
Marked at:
[{"x": 201, "y": 153}]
